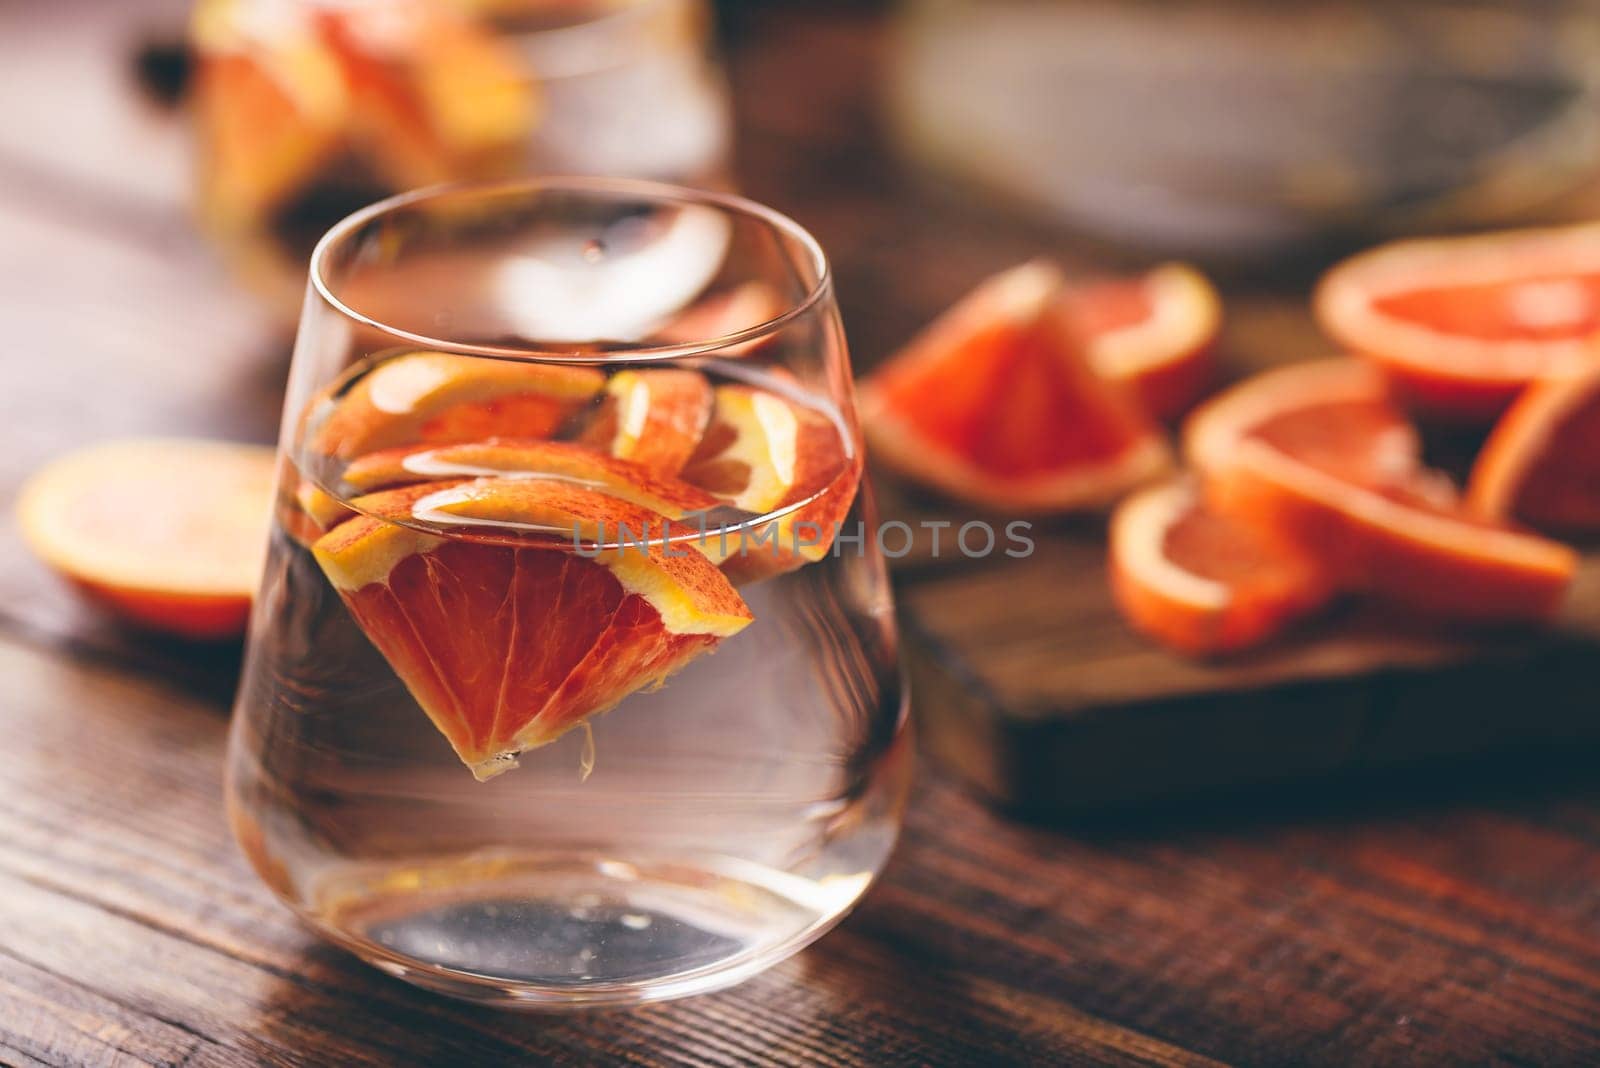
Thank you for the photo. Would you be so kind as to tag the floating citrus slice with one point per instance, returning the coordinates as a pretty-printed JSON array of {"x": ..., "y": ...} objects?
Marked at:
[
  {"x": 1153, "y": 334},
  {"x": 167, "y": 533},
  {"x": 764, "y": 453},
  {"x": 1463, "y": 324},
  {"x": 1314, "y": 453},
  {"x": 1202, "y": 583},
  {"x": 996, "y": 404},
  {"x": 654, "y": 418},
  {"x": 438, "y": 398},
  {"x": 1541, "y": 464},
  {"x": 514, "y": 458},
  {"x": 505, "y": 643}
]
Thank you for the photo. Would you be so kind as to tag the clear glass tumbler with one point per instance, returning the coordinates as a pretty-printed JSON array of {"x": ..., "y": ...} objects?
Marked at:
[
  {"x": 306, "y": 110},
  {"x": 552, "y": 449}
]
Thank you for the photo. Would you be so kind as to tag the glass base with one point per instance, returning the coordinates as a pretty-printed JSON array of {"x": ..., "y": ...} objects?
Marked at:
[{"x": 580, "y": 929}]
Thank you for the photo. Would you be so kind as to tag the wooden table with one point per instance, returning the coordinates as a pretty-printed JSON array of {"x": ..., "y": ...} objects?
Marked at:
[{"x": 1449, "y": 920}]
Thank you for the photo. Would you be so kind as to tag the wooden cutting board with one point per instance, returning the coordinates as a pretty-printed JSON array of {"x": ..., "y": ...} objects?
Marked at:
[{"x": 1026, "y": 681}]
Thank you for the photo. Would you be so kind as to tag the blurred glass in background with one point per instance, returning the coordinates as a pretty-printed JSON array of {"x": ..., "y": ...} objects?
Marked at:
[
  {"x": 309, "y": 109},
  {"x": 1241, "y": 128}
]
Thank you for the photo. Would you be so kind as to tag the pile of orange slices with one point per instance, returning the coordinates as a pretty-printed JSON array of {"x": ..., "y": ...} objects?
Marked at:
[{"x": 1038, "y": 395}]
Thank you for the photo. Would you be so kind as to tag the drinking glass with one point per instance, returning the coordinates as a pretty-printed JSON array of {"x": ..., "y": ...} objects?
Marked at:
[
  {"x": 474, "y": 368},
  {"x": 309, "y": 109}
]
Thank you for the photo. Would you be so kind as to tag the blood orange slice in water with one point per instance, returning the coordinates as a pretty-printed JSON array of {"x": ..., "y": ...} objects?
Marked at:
[
  {"x": 654, "y": 418},
  {"x": 517, "y": 458},
  {"x": 439, "y": 397},
  {"x": 507, "y": 643},
  {"x": 763, "y": 453}
]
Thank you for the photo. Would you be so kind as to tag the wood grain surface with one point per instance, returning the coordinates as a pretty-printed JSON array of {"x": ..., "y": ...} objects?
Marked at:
[{"x": 1447, "y": 920}]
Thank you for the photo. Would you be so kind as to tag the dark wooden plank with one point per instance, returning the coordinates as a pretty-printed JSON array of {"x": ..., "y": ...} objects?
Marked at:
[
  {"x": 125, "y": 900},
  {"x": 1434, "y": 933}
]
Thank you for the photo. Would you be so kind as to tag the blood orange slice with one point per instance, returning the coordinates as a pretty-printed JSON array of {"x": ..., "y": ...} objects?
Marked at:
[
  {"x": 1153, "y": 334},
  {"x": 995, "y": 403},
  {"x": 653, "y": 418},
  {"x": 166, "y": 533},
  {"x": 1541, "y": 464},
  {"x": 515, "y": 458},
  {"x": 438, "y": 397},
  {"x": 1464, "y": 324},
  {"x": 763, "y": 453},
  {"x": 1202, "y": 583},
  {"x": 507, "y": 644},
  {"x": 1314, "y": 453}
]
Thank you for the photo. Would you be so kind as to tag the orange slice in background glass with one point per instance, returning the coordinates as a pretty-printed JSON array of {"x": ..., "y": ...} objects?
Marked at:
[
  {"x": 436, "y": 397},
  {"x": 166, "y": 533},
  {"x": 995, "y": 404},
  {"x": 433, "y": 95},
  {"x": 270, "y": 110},
  {"x": 763, "y": 453},
  {"x": 1152, "y": 334},
  {"x": 1316, "y": 454},
  {"x": 1541, "y": 463},
  {"x": 1464, "y": 324},
  {"x": 515, "y": 459},
  {"x": 1202, "y": 583},
  {"x": 505, "y": 644},
  {"x": 654, "y": 418}
]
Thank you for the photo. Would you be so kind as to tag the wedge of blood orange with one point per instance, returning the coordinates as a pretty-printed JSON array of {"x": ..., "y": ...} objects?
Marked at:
[
  {"x": 1464, "y": 324},
  {"x": 1203, "y": 583},
  {"x": 1315, "y": 453},
  {"x": 167, "y": 533},
  {"x": 654, "y": 418},
  {"x": 1541, "y": 464},
  {"x": 522, "y": 459},
  {"x": 764, "y": 453},
  {"x": 507, "y": 643},
  {"x": 1154, "y": 334},
  {"x": 996, "y": 404},
  {"x": 437, "y": 397}
]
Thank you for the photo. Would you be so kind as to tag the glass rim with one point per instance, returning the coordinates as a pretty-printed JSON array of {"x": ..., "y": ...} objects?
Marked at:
[{"x": 642, "y": 189}]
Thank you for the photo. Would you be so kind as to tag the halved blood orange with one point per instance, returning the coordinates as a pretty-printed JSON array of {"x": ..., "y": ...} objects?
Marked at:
[
  {"x": 438, "y": 398},
  {"x": 1201, "y": 582},
  {"x": 654, "y": 418},
  {"x": 1464, "y": 324},
  {"x": 1314, "y": 453},
  {"x": 764, "y": 453},
  {"x": 506, "y": 643},
  {"x": 996, "y": 404},
  {"x": 167, "y": 533},
  {"x": 516, "y": 458},
  {"x": 1541, "y": 464},
  {"x": 1153, "y": 334}
]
